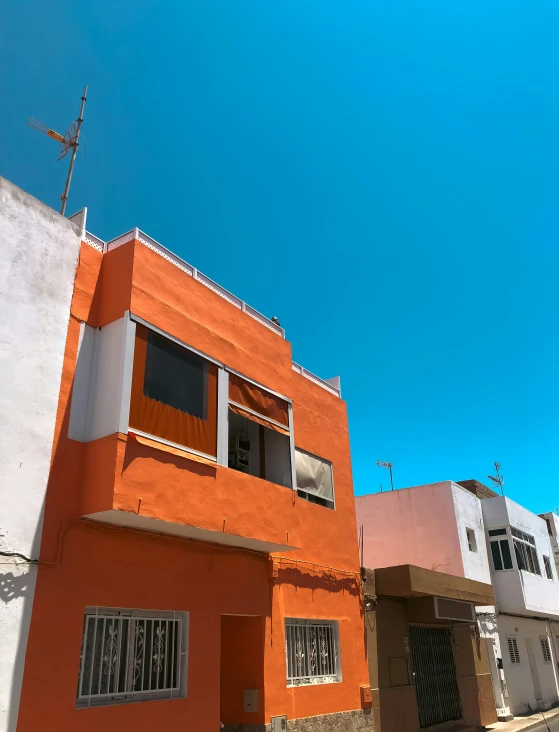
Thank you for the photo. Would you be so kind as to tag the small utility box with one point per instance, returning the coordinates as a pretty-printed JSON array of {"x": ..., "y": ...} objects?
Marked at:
[
  {"x": 279, "y": 724},
  {"x": 251, "y": 700}
]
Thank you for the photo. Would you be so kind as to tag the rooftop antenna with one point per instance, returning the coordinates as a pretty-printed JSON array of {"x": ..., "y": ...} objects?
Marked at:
[
  {"x": 69, "y": 140},
  {"x": 382, "y": 464},
  {"x": 498, "y": 479}
]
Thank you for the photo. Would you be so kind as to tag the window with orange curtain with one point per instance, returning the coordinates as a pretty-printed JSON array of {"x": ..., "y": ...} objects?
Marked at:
[{"x": 174, "y": 393}]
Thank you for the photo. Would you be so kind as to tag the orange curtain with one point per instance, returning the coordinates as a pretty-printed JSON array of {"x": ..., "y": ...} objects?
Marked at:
[
  {"x": 162, "y": 420},
  {"x": 259, "y": 420},
  {"x": 249, "y": 395}
]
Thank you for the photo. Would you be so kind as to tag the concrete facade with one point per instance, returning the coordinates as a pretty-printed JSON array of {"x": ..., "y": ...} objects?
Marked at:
[{"x": 39, "y": 255}]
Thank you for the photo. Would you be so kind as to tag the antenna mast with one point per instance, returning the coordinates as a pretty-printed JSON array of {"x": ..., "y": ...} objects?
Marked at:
[
  {"x": 498, "y": 478},
  {"x": 382, "y": 464},
  {"x": 69, "y": 140}
]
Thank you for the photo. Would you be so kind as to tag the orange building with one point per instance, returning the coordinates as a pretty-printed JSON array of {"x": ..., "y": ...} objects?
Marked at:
[{"x": 199, "y": 557}]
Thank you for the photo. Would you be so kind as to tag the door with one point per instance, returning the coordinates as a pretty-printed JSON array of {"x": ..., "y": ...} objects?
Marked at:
[
  {"x": 434, "y": 674},
  {"x": 534, "y": 670}
]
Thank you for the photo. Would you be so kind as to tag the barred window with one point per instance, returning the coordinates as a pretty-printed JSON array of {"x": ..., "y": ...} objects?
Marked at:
[
  {"x": 513, "y": 649},
  {"x": 312, "y": 652},
  {"x": 132, "y": 655},
  {"x": 546, "y": 650}
]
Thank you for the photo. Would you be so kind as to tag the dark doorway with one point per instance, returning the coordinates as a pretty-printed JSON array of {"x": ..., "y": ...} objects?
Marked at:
[
  {"x": 242, "y": 669},
  {"x": 434, "y": 673}
]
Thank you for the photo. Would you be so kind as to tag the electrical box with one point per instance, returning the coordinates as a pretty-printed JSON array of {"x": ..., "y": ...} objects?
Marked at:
[
  {"x": 251, "y": 700},
  {"x": 279, "y": 724},
  {"x": 366, "y": 696}
]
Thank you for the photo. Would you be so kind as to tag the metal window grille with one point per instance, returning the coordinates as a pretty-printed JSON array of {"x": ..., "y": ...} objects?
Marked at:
[
  {"x": 312, "y": 652},
  {"x": 513, "y": 650},
  {"x": 546, "y": 650},
  {"x": 128, "y": 655},
  {"x": 547, "y": 565}
]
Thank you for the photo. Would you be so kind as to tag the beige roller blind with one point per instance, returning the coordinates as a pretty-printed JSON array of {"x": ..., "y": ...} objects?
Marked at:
[{"x": 314, "y": 475}]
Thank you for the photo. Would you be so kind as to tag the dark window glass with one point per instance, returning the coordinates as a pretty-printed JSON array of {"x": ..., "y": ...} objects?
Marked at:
[
  {"x": 547, "y": 565},
  {"x": 497, "y": 532},
  {"x": 311, "y": 498},
  {"x": 520, "y": 555},
  {"x": 505, "y": 550},
  {"x": 497, "y": 563},
  {"x": 175, "y": 376}
]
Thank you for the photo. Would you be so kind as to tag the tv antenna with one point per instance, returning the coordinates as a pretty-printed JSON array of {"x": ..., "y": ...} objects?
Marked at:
[
  {"x": 498, "y": 478},
  {"x": 70, "y": 140},
  {"x": 381, "y": 464}
]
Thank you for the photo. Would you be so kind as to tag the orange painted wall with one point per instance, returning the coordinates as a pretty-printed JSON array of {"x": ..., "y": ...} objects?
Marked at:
[{"x": 120, "y": 568}]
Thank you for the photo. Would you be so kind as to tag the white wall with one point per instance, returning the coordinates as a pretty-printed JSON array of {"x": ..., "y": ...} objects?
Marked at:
[
  {"x": 467, "y": 508},
  {"x": 39, "y": 250}
]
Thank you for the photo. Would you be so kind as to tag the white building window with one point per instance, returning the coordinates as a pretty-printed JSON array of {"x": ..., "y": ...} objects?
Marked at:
[
  {"x": 546, "y": 650},
  {"x": 312, "y": 652},
  {"x": 132, "y": 655},
  {"x": 471, "y": 536},
  {"x": 525, "y": 551},
  {"x": 500, "y": 549},
  {"x": 547, "y": 565},
  {"x": 513, "y": 649}
]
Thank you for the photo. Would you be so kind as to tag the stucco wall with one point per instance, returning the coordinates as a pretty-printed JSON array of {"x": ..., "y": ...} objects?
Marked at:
[
  {"x": 467, "y": 508},
  {"x": 39, "y": 254},
  {"x": 411, "y": 526}
]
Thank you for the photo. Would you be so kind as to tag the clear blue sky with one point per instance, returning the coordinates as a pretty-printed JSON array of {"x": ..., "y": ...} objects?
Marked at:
[{"x": 381, "y": 175}]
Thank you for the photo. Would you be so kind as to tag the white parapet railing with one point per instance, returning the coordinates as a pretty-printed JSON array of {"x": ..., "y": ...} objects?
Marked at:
[{"x": 331, "y": 385}]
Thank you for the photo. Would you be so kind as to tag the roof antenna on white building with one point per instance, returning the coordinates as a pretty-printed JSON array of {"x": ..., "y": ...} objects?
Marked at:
[
  {"x": 382, "y": 464},
  {"x": 68, "y": 140},
  {"x": 498, "y": 479}
]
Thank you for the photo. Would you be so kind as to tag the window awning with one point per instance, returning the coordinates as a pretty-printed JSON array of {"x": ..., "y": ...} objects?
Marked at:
[
  {"x": 257, "y": 403},
  {"x": 314, "y": 475},
  {"x": 249, "y": 414}
]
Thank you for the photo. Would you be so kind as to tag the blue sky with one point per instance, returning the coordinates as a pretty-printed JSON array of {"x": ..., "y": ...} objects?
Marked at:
[{"x": 381, "y": 175}]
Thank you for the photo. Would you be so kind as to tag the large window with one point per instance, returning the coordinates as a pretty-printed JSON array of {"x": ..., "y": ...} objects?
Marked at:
[
  {"x": 312, "y": 652},
  {"x": 132, "y": 655},
  {"x": 314, "y": 479},
  {"x": 525, "y": 551},
  {"x": 500, "y": 551},
  {"x": 174, "y": 393}
]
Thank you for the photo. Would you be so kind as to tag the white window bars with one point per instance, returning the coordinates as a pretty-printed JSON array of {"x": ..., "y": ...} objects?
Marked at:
[
  {"x": 312, "y": 652},
  {"x": 130, "y": 655}
]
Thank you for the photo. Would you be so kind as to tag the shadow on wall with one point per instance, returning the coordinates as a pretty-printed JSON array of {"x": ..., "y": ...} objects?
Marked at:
[
  {"x": 318, "y": 580},
  {"x": 17, "y": 587}
]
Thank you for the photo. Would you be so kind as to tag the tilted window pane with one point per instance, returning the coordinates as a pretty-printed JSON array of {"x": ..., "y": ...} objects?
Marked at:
[{"x": 497, "y": 532}]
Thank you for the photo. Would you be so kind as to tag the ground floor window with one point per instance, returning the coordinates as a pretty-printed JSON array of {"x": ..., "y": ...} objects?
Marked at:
[
  {"x": 546, "y": 650},
  {"x": 312, "y": 651},
  {"x": 130, "y": 655},
  {"x": 513, "y": 649}
]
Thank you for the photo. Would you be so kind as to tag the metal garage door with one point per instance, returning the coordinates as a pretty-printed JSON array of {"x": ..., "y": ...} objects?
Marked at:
[{"x": 434, "y": 673}]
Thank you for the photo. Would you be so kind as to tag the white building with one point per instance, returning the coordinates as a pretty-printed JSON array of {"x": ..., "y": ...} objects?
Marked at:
[
  {"x": 552, "y": 521},
  {"x": 525, "y": 623},
  {"x": 39, "y": 255}
]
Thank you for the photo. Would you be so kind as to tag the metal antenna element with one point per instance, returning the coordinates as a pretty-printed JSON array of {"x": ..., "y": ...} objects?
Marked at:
[
  {"x": 381, "y": 464},
  {"x": 498, "y": 479},
  {"x": 69, "y": 140}
]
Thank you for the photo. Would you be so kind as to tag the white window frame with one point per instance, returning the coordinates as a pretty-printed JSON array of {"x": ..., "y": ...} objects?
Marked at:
[
  {"x": 526, "y": 547},
  {"x": 546, "y": 649},
  {"x": 499, "y": 538},
  {"x": 303, "y": 651},
  {"x": 316, "y": 457},
  {"x": 110, "y": 622},
  {"x": 514, "y": 653}
]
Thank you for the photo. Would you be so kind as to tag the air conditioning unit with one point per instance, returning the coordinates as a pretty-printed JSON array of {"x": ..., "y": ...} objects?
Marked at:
[{"x": 446, "y": 609}]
